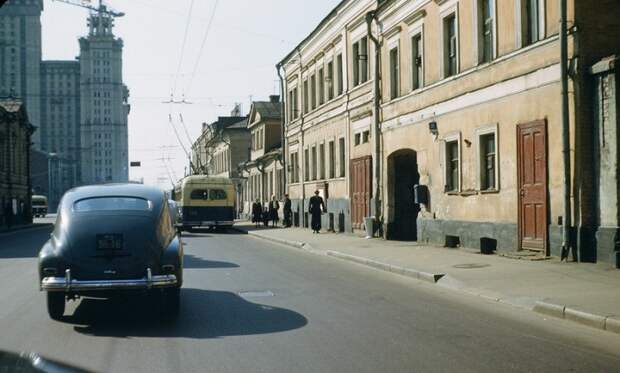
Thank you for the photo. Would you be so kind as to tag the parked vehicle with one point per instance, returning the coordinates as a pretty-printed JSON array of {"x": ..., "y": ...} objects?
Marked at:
[
  {"x": 111, "y": 239},
  {"x": 205, "y": 202},
  {"x": 39, "y": 206}
]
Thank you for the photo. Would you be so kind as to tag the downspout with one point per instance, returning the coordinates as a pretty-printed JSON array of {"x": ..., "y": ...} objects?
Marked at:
[
  {"x": 370, "y": 16},
  {"x": 282, "y": 129},
  {"x": 567, "y": 245}
]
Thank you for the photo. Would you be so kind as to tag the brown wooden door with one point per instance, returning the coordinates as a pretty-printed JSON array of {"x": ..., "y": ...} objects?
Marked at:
[
  {"x": 532, "y": 176},
  {"x": 361, "y": 186}
]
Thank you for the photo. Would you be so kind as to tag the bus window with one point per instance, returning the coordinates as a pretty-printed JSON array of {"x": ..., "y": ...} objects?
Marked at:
[
  {"x": 199, "y": 194},
  {"x": 217, "y": 194}
]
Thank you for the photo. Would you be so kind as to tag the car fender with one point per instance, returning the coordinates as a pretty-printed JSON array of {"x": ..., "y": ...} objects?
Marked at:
[{"x": 173, "y": 255}]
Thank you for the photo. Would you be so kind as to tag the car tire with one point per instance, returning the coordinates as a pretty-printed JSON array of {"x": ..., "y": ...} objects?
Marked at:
[
  {"x": 55, "y": 305},
  {"x": 171, "y": 298}
]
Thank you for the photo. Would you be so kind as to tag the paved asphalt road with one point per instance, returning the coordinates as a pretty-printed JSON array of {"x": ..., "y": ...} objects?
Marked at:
[{"x": 252, "y": 306}]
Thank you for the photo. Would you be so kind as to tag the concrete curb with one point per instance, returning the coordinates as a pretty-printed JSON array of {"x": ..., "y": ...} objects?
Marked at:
[
  {"x": 592, "y": 320},
  {"x": 607, "y": 323},
  {"x": 295, "y": 244},
  {"x": 408, "y": 272}
]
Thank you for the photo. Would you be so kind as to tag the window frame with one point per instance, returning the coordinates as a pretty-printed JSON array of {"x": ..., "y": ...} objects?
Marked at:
[
  {"x": 446, "y": 45},
  {"x": 394, "y": 73},
  {"x": 417, "y": 72},
  {"x": 342, "y": 157},
  {"x": 447, "y": 140},
  {"x": 492, "y": 129},
  {"x": 522, "y": 37},
  {"x": 481, "y": 23}
]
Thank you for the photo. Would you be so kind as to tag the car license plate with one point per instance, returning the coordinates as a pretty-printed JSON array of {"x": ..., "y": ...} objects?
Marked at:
[{"x": 109, "y": 242}]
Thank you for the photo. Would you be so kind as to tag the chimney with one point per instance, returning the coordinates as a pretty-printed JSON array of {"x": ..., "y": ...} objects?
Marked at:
[{"x": 274, "y": 99}]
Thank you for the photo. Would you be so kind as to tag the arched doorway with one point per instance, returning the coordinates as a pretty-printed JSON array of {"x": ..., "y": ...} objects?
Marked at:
[{"x": 403, "y": 175}]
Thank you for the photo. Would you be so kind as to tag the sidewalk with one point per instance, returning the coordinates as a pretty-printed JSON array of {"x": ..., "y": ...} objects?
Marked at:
[{"x": 584, "y": 293}]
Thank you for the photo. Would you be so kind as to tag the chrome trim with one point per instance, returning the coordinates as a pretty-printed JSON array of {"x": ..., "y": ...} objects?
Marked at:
[
  {"x": 68, "y": 284},
  {"x": 206, "y": 223}
]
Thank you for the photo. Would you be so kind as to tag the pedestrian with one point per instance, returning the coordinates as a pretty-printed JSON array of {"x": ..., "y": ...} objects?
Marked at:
[
  {"x": 274, "y": 207},
  {"x": 266, "y": 216},
  {"x": 316, "y": 208},
  {"x": 257, "y": 212},
  {"x": 288, "y": 212}
]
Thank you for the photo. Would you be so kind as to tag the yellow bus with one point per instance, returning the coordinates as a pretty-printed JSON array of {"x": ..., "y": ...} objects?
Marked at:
[
  {"x": 39, "y": 206},
  {"x": 205, "y": 201}
]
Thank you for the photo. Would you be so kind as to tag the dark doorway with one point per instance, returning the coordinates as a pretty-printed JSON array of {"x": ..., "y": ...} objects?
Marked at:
[{"x": 403, "y": 175}]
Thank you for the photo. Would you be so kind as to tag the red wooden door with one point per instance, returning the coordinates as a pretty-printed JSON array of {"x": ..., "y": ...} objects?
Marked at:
[
  {"x": 361, "y": 186},
  {"x": 532, "y": 176}
]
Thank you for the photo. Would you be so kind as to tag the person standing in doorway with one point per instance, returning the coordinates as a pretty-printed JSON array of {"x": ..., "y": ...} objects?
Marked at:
[
  {"x": 274, "y": 207},
  {"x": 317, "y": 207},
  {"x": 288, "y": 211}
]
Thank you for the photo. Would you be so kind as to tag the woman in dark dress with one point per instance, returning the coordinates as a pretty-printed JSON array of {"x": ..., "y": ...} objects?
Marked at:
[{"x": 257, "y": 212}]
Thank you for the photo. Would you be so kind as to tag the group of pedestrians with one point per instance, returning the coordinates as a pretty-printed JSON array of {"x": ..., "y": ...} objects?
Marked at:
[{"x": 264, "y": 216}]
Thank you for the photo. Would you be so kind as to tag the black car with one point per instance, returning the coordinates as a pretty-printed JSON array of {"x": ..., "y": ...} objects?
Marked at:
[{"x": 112, "y": 239}]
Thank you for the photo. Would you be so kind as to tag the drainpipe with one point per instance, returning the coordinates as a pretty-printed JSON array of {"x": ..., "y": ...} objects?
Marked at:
[
  {"x": 567, "y": 245},
  {"x": 282, "y": 129},
  {"x": 370, "y": 16}
]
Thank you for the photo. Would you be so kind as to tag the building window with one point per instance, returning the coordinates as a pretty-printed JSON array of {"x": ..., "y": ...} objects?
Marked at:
[
  {"x": 486, "y": 30},
  {"x": 322, "y": 161},
  {"x": 321, "y": 86},
  {"x": 295, "y": 103},
  {"x": 394, "y": 73},
  {"x": 342, "y": 156},
  {"x": 312, "y": 92},
  {"x": 357, "y": 138},
  {"x": 488, "y": 158},
  {"x": 340, "y": 72},
  {"x": 360, "y": 61},
  {"x": 450, "y": 45},
  {"x": 332, "y": 160},
  {"x": 452, "y": 166},
  {"x": 294, "y": 167},
  {"x": 306, "y": 165},
  {"x": 531, "y": 21},
  {"x": 314, "y": 163},
  {"x": 330, "y": 80},
  {"x": 365, "y": 136},
  {"x": 306, "y": 107},
  {"x": 417, "y": 60}
]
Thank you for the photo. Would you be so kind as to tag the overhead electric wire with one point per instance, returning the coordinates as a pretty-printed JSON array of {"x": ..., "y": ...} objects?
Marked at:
[
  {"x": 187, "y": 23},
  {"x": 202, "y": 46},
  {"x": 189, "y": 139},
  {"x": 176, "y": 133}
]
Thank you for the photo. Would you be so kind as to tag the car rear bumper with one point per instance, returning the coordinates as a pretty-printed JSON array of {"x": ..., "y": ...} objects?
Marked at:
[
  {"x": 214, "y": 223},
  {"x": 68, "y": 284}
]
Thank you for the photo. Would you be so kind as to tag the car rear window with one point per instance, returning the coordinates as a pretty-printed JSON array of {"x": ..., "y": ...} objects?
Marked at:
[
  {"x": 217, "y": 194},
  {"x": 112, "y": 204},
  {"x": 199, "y": 194}
]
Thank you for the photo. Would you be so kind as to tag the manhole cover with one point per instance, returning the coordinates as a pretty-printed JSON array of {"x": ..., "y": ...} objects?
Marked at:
[
  {"x": 471, "y": 265},
  {"x": 256, "y": 294}
]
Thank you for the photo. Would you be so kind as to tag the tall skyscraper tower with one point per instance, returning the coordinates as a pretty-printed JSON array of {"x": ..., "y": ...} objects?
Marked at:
[
  {"x": 104, "y": 103},
  {"x": 20, "y": 56}
]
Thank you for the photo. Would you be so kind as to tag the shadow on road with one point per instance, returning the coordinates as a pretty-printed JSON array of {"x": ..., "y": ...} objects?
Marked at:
[
  {"x": 24, "y": 244},
  {"x": 195, "y": 262},
  {"x": 204, "y": 314}
]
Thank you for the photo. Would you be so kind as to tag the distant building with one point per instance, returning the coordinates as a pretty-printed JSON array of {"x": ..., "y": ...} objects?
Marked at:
[
  {"x": 104, "y": 104},
  {"x": 15, "y": 188},
  {"x": 210, "y": 153},
  {"x": 20, "y": 55},
  {"x": 263, "y": 172},
  {"x": 60, "y": 123}
]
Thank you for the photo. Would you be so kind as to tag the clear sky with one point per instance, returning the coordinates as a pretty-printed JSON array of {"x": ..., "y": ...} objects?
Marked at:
[{"x": 247, "y": 38}]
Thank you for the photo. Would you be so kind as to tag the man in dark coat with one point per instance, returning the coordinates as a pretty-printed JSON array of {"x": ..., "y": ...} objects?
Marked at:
[
  {"x": 257, "y": 212},
  {"x": 316, "y": 208},
  {"x": 274, "y": 207},
  {"x": 287, "y": 211}
]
